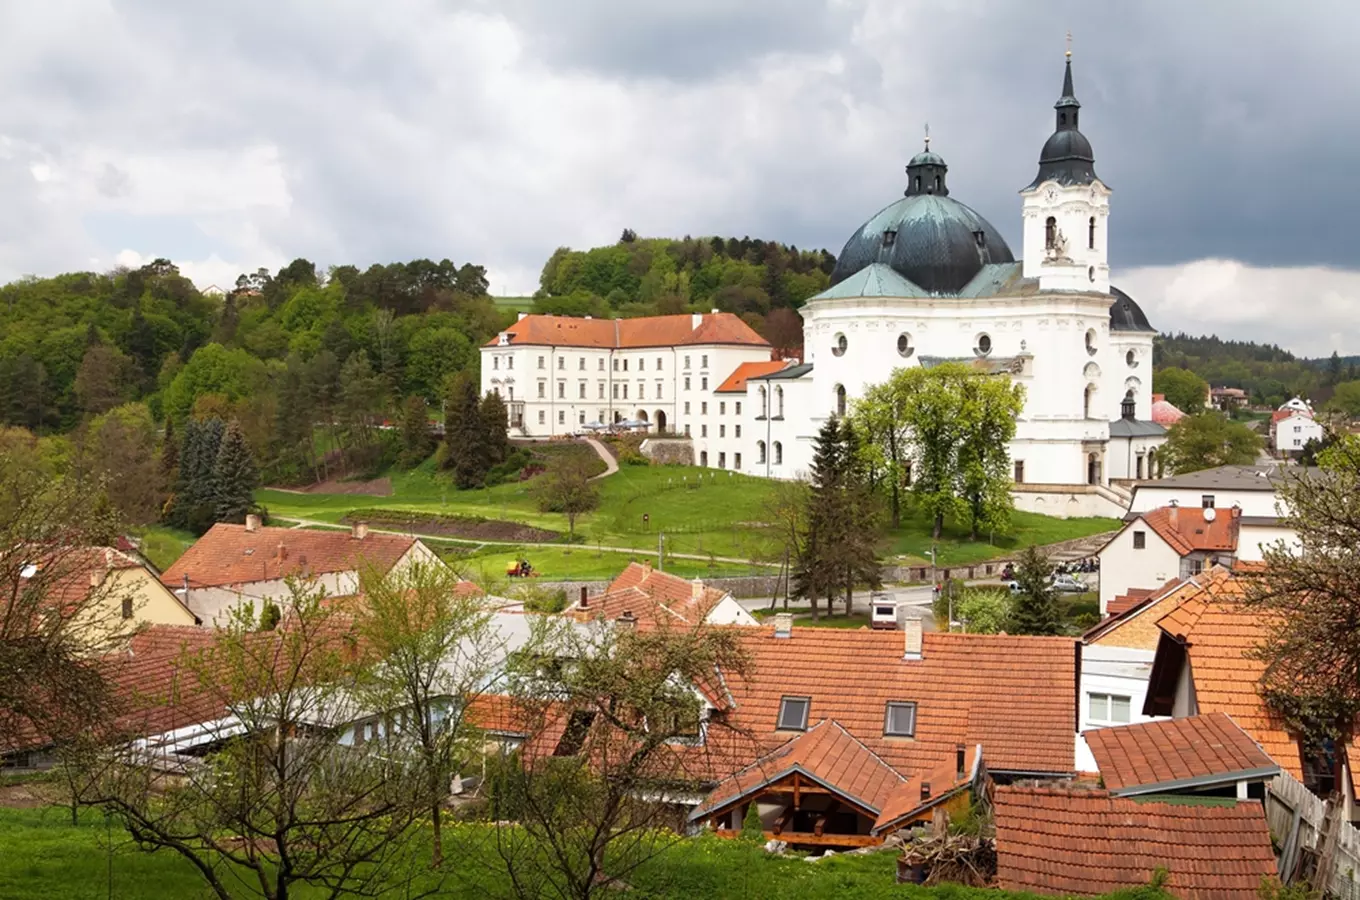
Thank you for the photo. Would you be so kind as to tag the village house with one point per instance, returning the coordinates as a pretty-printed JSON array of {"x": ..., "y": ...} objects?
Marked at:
[
  {"x": 232, "y": 565},
  {"x": 1252, "y": 490},
  {"x": 112, "y": 590},
  {"x": 647, "y": 596},
  {"x": 1292, "y": 426},
  {"x": 1171, "y": 542},
  {"x": 1227, "y": 399}
]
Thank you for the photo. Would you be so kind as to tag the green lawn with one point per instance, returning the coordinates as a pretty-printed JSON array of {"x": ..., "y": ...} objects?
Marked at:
[
  {"x": 163, "y": 545},
  {"x": 44, "y": 857},
  {"x": 803, "y": 618},
  {"x": 584, "y": 563},
  {"x": 955, "y": 548},
  {"x": 516, "y": 304}
]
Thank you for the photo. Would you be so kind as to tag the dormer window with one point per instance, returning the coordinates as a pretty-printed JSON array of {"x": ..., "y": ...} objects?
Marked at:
[
  {"x": 793, "y": 713},
  {"x": 980, "y": 237},
  {"x": 899, "y": 719},
  {"x": 889, "y": 237}
]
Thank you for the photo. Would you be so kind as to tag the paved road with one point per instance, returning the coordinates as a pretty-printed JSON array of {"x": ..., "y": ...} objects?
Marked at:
[{"x": 610, "y": 466}]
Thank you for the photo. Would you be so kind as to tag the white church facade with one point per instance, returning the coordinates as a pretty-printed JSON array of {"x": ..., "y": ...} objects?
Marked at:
[{"x": 924, "y": 281}]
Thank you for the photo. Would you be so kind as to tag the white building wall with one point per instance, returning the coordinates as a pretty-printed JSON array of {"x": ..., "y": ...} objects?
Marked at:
[
  {"x": 214, "y": 605},
  {"x": 788, "y": 439},
  {"x": 1111, "y": 672},
  {"x": 1123, "y": 373},
  {"x": 1080, "y": 261},
  {"x": 1147, "y": 497},
  {"x": 729, "y": 612},
  {"x": 1293, "y": 433},
  {"x": 1123, "y": 567},
  {"x": 1253, "y": 540},
  {"x": 1130, "y": 457}
]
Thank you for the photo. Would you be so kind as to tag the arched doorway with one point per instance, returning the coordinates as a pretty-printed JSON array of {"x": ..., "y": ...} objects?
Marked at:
[
  {"x": 1092, "y": 469},
  {"x": 641, "y": 416},
  {"x": 660, "y": 421},
  {"x": 703, "y": 457}
]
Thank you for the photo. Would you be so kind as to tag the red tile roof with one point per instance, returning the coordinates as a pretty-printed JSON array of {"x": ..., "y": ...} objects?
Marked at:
[
  {"x": 736, "y": 382},
  {"x": 1164, "y": 412},
  {"x": 1188, "y": 529},
  {"x": 1084, "y": 843},
  {"x": 230, "y": 554},
  {"x": 1125, "y": 602},
  {"x": 648, "y": 594},
  {"x": 826, "y": 753},
  {"x": 647, "y": 331},
  {"x": 905, "y": 803},
  {"x": 1011, "y": 694},
  {"x": 1158, "y": 755}
]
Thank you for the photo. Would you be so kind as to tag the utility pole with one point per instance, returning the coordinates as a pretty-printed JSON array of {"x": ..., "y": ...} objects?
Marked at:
[{"x": 660, "y": 551}]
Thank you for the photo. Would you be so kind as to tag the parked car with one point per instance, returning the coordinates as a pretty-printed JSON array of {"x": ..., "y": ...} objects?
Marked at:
[{"x": 1068, "y": 584}]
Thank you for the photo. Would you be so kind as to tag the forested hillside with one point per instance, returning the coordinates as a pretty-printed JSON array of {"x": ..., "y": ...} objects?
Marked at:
[
  {"x": 761, "y": 281},
  {"x": 1268, "y": 373}
]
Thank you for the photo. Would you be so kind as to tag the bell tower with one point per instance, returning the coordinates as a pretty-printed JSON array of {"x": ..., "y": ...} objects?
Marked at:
[{"x": 1066, "y": 207}]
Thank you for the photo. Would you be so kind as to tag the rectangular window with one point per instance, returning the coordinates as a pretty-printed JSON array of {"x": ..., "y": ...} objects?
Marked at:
[
  {"x": 703, "y": 383},
  {"x": 703, "y": 361},
  {"x": 625, "y": 392},
  {"x": 616, "y": 392},
  {"x": 561, "y": 362},
  {"x": 616, "y": 365},
  {"x": 722, "y": 408},
  {"x": 1111, "y": 708},
  {"x": 722, "y": 431},
  {"x": 541, "y": 363},
  {"x": 495, "y": 362},
  {"x": 542, "y": 389},
  {"x": 127, "y": 607},
  {"x": 601, "y": 366},
  {"x": 703, "y": 408},
  {"x": 642, "y": 390},
  {"x": 582, "y": 391},
  {"x": 601, "y": 390},
  {"x": 582, "y": 365},
  {"x": 1206, "y": 501},
  {"x": 1019, "y": 471},
  {"x": 561, "y": 390},
  {"x": 582, "y": 418},
  {"x": 703, "y": 431},
  {"x": 658, "y": 364},
  {"x": 625, "y": 365},
  {"x": 561, "y": 417},
  {"x": 542, "y": 417},
  {"x": 686, "y": 362},
  {"x": 509, "y": 362},
  {"x": 736, "y": 461},
  {"x": 793, "y": 713},
  {"x": 736, "y": 430},
  {"x": 686, "y": 382},
  {"x": 658, "y": 390},
  {"x": 722, "y": 460},
  {"x": 642, "y": 363},
  {"x": 686, "y": 407},
  {"x": 1140, "y": 540},
  {"x": 738, "y": 409},
  {"x": 686, "y": 430},
  {"x": 899, "y": 719}
]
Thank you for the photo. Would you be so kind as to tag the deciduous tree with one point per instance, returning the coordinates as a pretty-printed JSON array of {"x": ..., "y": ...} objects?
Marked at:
[
  {"x": 1208, "y": 440},
  {"x": 566, "y": 488},
  {"x": 1183, "y": 389}
]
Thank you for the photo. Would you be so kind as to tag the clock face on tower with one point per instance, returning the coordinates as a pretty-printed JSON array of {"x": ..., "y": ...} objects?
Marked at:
[{"x": 1052, "y": 193}]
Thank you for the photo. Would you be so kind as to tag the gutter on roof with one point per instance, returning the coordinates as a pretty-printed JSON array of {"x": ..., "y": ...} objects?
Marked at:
[{"x": 1200, "y": 781}]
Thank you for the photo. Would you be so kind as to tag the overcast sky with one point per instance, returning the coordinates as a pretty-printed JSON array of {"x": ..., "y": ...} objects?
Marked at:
[{"x": 233, "y": 135}]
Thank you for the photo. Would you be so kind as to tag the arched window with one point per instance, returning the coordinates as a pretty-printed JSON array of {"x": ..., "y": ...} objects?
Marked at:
[
  {"x": 1062, "y": 118},
  {"x": 760, "y": 451},
  {"x": 778, "y": 453},
  {"x": 840, "y": 399},
  {"x": 703, "y": 457},
  {"x": 1091, "y": 233},
  {"x": 937, "y": 184},
  {"x": 918, "y": 182},
  {"x": 1086, "y": 400},
  {"x": 779, "y": 401},
  {"x": 764, "y": 402},
  {"x": 1051, "y": 233}
]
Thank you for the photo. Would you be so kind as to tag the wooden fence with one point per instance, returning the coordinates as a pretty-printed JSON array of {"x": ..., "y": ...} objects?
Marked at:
[{"x": 1312, "y": 833}]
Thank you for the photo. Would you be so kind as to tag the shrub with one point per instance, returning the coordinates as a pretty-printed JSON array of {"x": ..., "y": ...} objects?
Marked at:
[
  {"x": 751, "y": 829},
  {"x": 984, "y": 610},
  {"x": 955, "y": 588}
]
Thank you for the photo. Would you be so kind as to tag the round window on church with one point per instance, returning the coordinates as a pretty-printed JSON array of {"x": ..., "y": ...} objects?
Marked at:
[
  {"x": 984, "y": 344},
  {"x": 904, "y": 347},
  {"x": 1132, "y": 359},
  {"x": 839, "y": 347},
  {"x": 1090, "y": 342}
]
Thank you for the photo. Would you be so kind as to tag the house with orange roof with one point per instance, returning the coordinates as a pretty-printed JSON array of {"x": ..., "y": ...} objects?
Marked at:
[
  {"x": 1292, "y": 426},
  {"x": 232, "y": 565},
  {"x": 1165, "y": 543},
  {"x": 558, "y": 374},
  {"x": 645, "y": 596},
  {"x": 1205, "y": 664}
]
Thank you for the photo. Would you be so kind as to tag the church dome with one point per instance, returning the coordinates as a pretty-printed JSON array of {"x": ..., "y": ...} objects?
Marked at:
[
  {"x": 927, "y": 237},
  {"x": 1126, "y": 314}
]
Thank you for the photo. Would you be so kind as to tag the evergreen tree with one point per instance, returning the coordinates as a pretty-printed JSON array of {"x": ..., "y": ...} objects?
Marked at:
[
  {"x": 495, "y": 428},
  {"x": 415, "y": 431},
  {"x": 169, "y": 453},
  {"x": 1036, "y": 604},
  {"x": 860, "y": 512},
  {"x": 465, "y": 447},
  {"x": 194, "y": 505},
  {"x": 234, "y": 477}
]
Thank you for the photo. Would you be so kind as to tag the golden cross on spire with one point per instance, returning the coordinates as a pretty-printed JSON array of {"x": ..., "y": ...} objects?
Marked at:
[
  {"x": 1069, "y": 44},
  {"x": 927, "y": 135}
]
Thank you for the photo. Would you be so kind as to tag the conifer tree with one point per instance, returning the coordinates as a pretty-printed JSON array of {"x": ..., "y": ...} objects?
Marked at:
[
  {"x": 234, "y": 477},
  {"x": 465, "y": 445},
  {"x": 415, "y": 430},
  {"x": 495, "y": 428},
  {"x": 194, "y": 504},
  {"x": 1036, "y": 604},
  {"x": 169, "y": 453}
]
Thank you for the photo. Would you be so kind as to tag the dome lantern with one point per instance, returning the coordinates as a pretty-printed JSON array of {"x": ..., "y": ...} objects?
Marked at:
[{"x": 926, "y": 172}]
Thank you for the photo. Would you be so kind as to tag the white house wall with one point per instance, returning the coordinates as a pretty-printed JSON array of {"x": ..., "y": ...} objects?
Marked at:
[
  {"x": 1252, "y": 540},
  {"x": 729, "y": 612},
  {"x": 1122, "y": 567},
  {"x": 1147, "y": 497},
  {"x": 1113, "y": 671},
  {"x": 214, "y": 605}
]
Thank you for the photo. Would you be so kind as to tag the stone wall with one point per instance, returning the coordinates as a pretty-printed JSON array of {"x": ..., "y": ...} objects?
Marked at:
[{"x": 669, "y": 451}]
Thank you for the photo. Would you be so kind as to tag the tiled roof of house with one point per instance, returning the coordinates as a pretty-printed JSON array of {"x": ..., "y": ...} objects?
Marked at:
[
  {"x": 1084, "y": 843},
  {"x": 231, "y": 554},
  {"x": 825, "y": 753},
  {"x": 1125, "y": 607},
  {"x": 646, "y": 331},
  {"x": 1219, "y": 633},
  {"x": 646, "y": 593},
  {"x": 1164, "y": 412},
  {"x": 1125, "y": 602},
  {"x": 906, "y": 801},
  {"x": 1188, "y": 529},
  {"x": 1011, "y": 694},
  {"x": 736, "y": 382},
  {"x": 1175, "y": 753}
]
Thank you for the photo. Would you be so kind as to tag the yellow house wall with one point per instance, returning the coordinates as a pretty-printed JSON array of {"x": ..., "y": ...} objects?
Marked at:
[
  {"x": 152, "y": 603},
  {"x": 1140, "y": 632}
]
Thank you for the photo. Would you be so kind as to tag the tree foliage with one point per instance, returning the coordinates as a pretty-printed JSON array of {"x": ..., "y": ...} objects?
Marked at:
[
  {"x": 1035, "y": 608},
  {"x": 566, "y": 487},
  {"x": 1183, "y": 389},
  {"x": 1208, "y": 440}
]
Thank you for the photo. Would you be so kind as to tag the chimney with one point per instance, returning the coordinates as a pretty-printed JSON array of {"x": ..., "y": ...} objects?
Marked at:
[
  {"x": 627, "y": 621},
  {"x": 1174, "y": 516},
  {"x": 783, "y": 625},
  {"x": 960, "y": 762},
  {"x": 585, "y": 597},
  {"x": 695, "y": 320},
  {"x": 359, "y": 531},
  {"x": 925, "y": 790},
  {"x": 696, "y": 589},
  {"x": 96, "y": 578},
  {"x": 911, "y": 629},
  {"x": 252, "y": 522},
  {"x": 283, "y": 552},
  {"x": 714, "y": 311},
  {"x": 521, "y": 317}
]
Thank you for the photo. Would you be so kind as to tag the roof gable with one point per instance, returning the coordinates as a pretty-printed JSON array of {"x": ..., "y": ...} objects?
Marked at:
[
  {"x": 1191, "y": 529},
  {"x": 650, "y": 595},
  {"x": 736, "y": 382},
  {"x": 1196, "y": 751}
]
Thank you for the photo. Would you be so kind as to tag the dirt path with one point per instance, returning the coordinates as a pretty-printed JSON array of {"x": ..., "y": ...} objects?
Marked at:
[{"x": 610, "y": 465}]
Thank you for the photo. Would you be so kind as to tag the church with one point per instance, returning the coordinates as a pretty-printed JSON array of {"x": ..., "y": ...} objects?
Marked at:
[{"x": 924, "y": 281}]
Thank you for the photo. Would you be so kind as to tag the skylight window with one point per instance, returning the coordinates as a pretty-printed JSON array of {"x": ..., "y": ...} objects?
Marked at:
[
  {"x": 793, "y": 713},
  {"x": 899, "y": 719}
]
